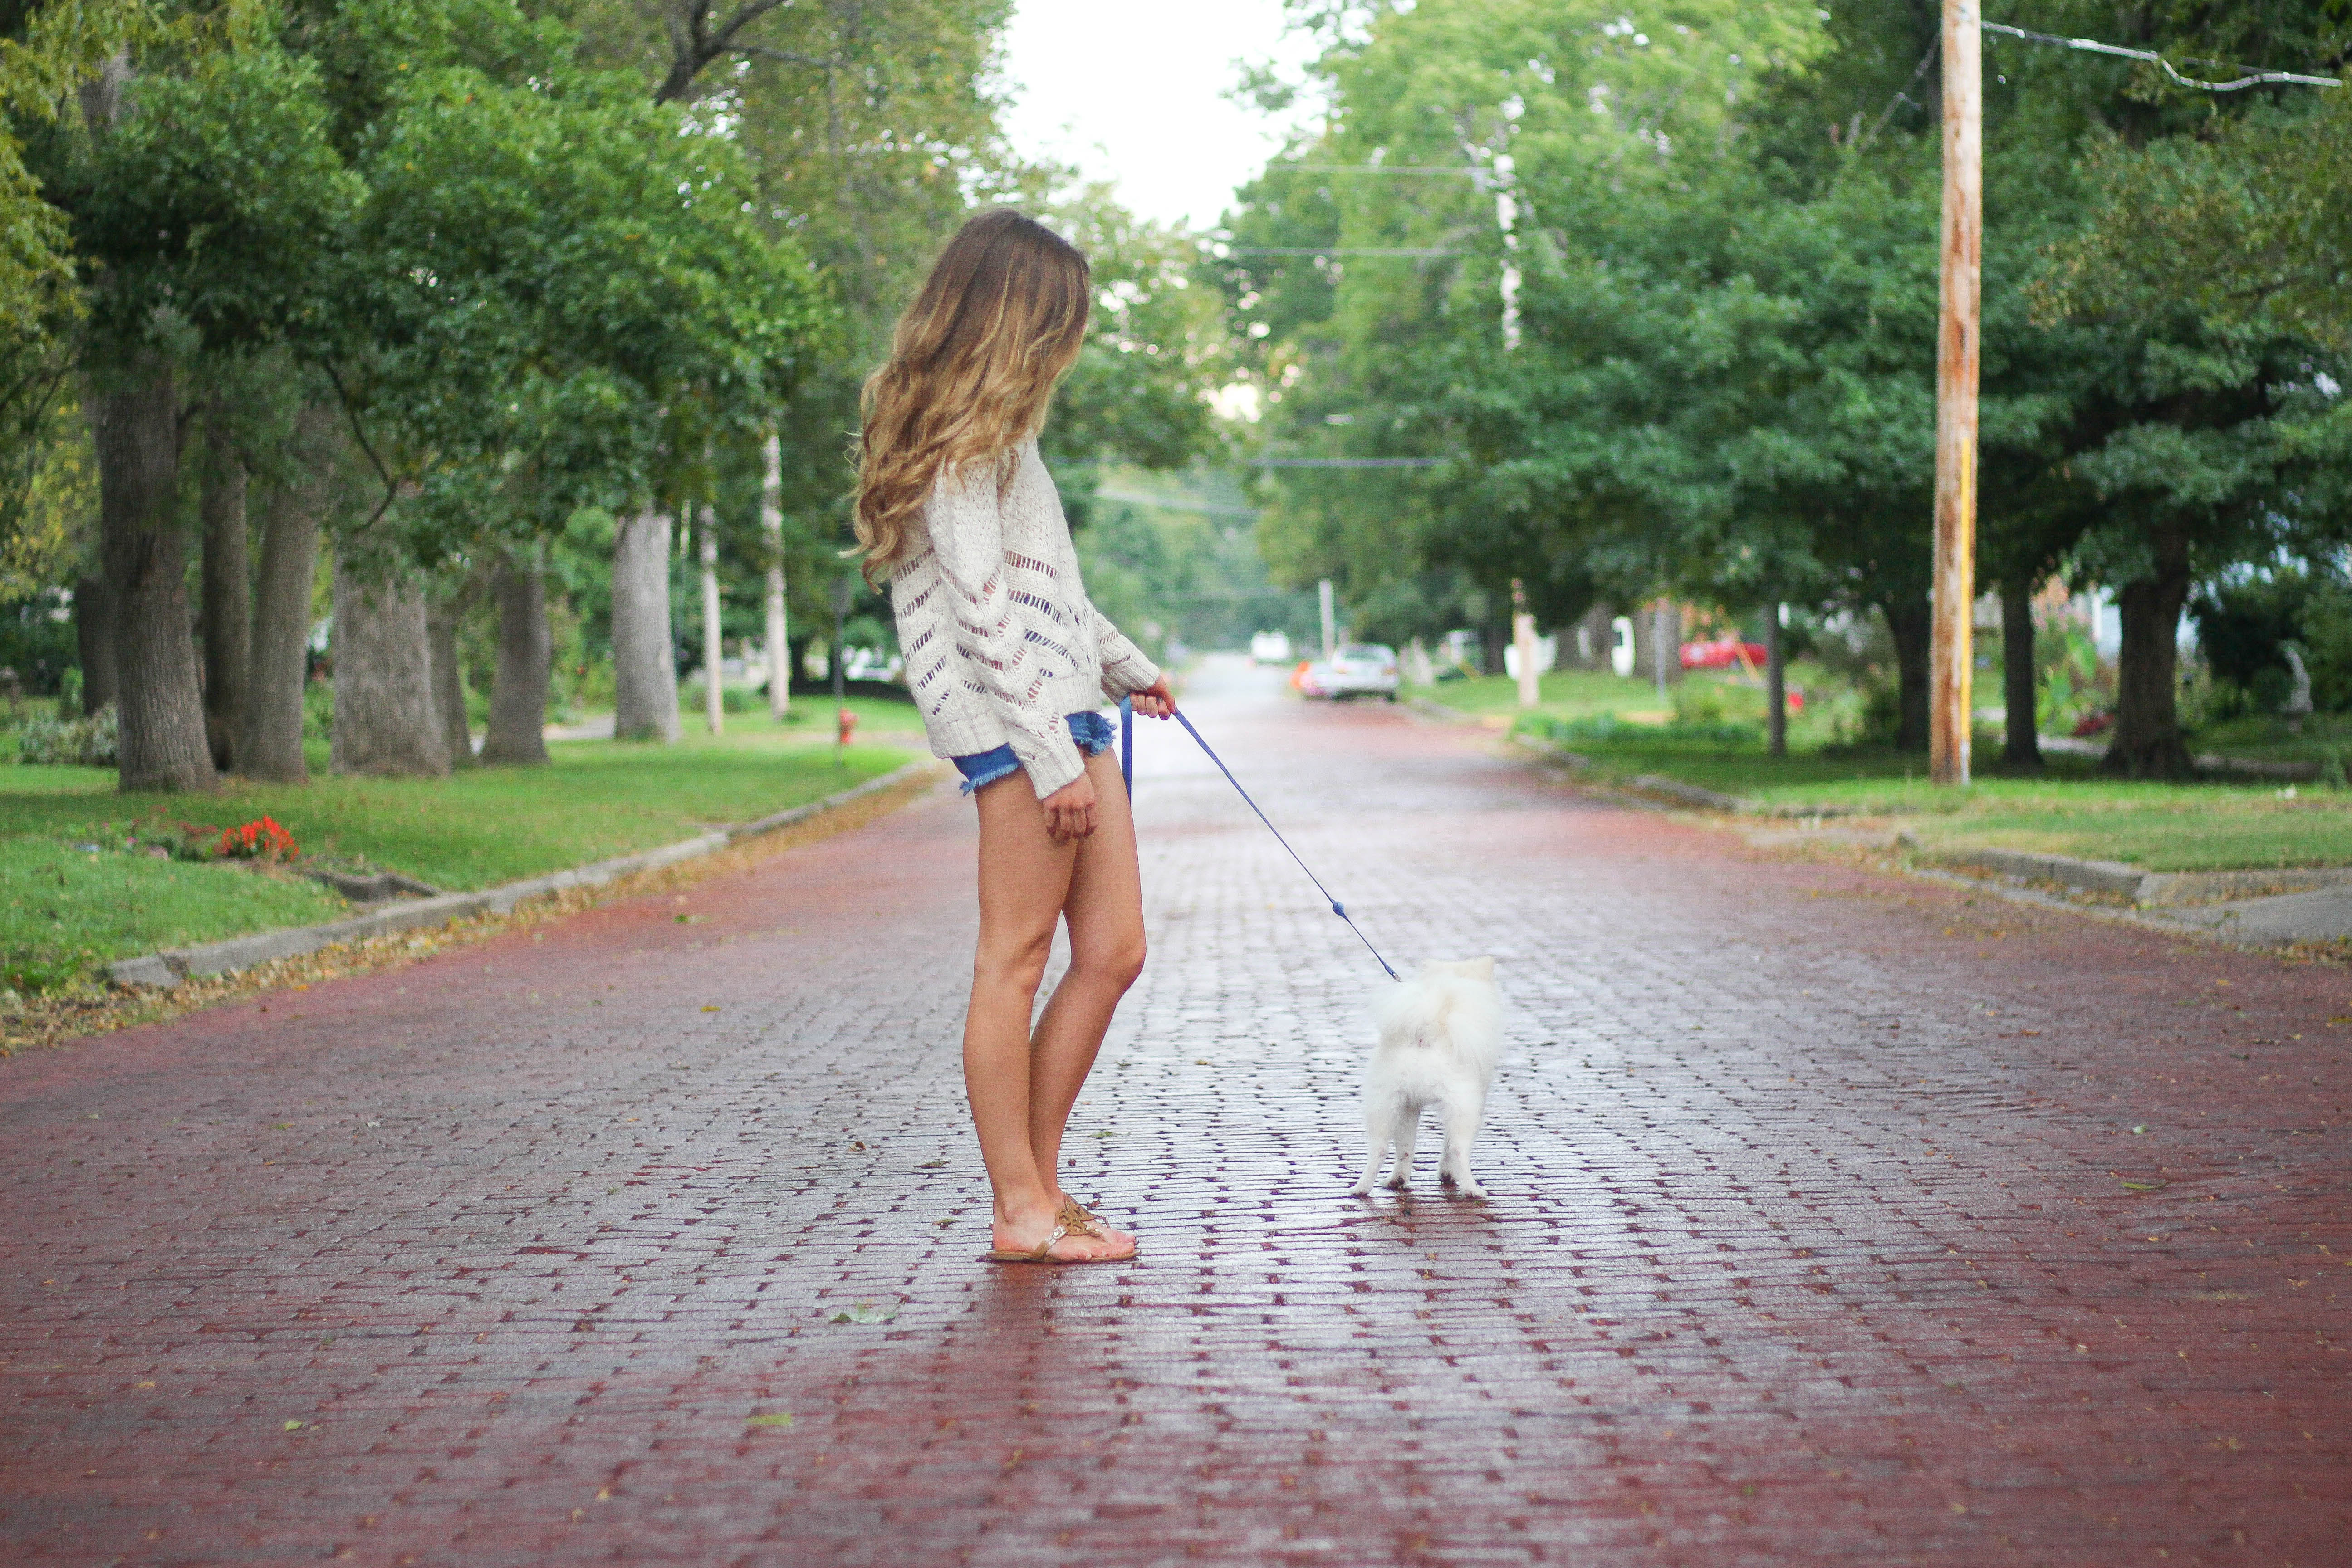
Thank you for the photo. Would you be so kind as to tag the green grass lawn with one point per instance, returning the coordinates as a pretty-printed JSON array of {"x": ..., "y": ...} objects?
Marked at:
[
  {"x": 72, "y": 896},
  {"x": 812, "y": 715},
  {"x": 1571, "y": 693},
  {"x": 2071, "y": 810}
]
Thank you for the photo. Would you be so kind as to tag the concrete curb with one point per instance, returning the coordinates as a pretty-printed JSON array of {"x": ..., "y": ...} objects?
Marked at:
[
  {"x": 2114, "y": 915},
  {"x": 2089, "y": 876},
  {"x": 1429, "y": 708},
  {"x": 2149, "y": 890},
  {"x": 167, "y": 969}
]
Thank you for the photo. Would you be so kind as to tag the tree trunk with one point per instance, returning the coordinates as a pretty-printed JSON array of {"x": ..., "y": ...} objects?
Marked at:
[
  {"x": 644, "y": 662},
  {"x": 228, "y": 604},
  {"x": 519, "y": 688},
  {"x": 771, "y": 535},
  {"x": 442, "y": 619},
  {"x": 2147, "y": 742},
  {"x": 270, "y": 745},
  {"x": 1775, "y": 683},
  {"x": 1912, "y": 623},
  {"x": 94, "y": 634},
  {"x": 2022, "y": 753},
  {"x": 714, "y": 688},
  {"x": 384, "y": 718},
  {"x": 135, "y": 429}
]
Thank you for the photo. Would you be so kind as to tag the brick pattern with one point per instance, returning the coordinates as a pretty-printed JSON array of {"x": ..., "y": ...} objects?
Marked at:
[{"x": 1836, "y": 1219}]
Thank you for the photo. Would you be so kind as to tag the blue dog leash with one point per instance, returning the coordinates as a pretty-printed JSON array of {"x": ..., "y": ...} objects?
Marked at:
[
  {"x": 1126, "y": 760},
  {"x": 1126, "y": 745}
]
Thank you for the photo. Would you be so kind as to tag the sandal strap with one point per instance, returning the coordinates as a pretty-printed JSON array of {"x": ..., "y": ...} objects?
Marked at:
[
  {"x": 1079, "y": 1219},
  {"x": 1045, "y": 1248}
]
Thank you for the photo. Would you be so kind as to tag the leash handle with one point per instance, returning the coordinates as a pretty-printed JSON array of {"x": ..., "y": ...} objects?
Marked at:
[
  {"x": 1337, "y": 908},
  {"x": 1127, "y": 744}
]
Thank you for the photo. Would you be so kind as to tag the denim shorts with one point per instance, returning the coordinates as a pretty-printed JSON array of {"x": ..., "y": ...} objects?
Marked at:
[{"x": 1092, "y": 732}]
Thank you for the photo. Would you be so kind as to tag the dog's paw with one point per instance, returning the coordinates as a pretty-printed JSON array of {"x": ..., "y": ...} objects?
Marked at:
[
  {"x": 1362, "y": 1189},
  {"x": 1394, "y": 1183},
  {"x": 1472, "y": 1190}
]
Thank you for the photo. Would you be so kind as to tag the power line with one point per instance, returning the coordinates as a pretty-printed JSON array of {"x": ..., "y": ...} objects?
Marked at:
[
  {"x": 1383, "y": 169},
  {"x": 2253, "y": 78},
  {"x": 1345, "y": 462},
  {"x": 1174, "y": 503},
  {"x": 1332, "y": 251}
]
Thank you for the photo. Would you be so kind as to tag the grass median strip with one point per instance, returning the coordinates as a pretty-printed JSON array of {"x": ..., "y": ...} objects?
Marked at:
[
  {"x": 2071, "y": 809},
  {"x": 73, "y": 898}
]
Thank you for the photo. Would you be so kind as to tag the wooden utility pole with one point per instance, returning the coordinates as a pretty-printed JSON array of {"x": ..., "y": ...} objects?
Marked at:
[{"x": 1956, "y": 346}]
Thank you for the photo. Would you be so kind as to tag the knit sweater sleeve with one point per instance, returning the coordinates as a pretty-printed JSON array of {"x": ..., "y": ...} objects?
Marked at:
[
  {"x": 967, "y": 535},
  {"x": 1125, "y": 669}
]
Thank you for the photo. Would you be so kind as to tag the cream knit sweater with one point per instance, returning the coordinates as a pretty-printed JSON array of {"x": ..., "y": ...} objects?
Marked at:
[{"x": 1000, "y": 642}]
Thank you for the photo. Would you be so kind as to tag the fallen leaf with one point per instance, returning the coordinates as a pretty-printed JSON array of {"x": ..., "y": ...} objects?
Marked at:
[
  {"x": 933, "y": 1165},
  {"x": 867, "y": 1312},
  {"x": 296, "y": 1425},
  {"x": 2145, "y": 1186},
  {"x": 712, "y": 1009},
  {"x": 782, "y": 1418},
  {"x": 2140, "y": 1129}
]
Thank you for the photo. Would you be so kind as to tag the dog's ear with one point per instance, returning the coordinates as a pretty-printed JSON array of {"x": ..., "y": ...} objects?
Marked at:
[{"x": 1477, "y": 968}]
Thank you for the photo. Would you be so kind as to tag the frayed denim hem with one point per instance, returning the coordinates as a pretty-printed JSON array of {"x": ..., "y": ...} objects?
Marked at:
[
  {"x": 1091, "y": 732},
  {"x": 991, "y": 772}
]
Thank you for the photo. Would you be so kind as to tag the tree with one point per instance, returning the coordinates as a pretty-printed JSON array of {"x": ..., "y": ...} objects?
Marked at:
[
  {"x": 2205, "y": 260},
  {"x": 599, "y": 288},
  {"x": 1402, "y": 352}
]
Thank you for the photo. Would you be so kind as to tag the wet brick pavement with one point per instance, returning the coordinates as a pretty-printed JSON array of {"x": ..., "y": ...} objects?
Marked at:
[{"x": 1836, "y": 1219}]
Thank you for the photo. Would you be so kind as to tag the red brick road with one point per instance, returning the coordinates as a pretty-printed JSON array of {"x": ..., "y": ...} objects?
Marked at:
[{"x": 1836, "y": 1219}]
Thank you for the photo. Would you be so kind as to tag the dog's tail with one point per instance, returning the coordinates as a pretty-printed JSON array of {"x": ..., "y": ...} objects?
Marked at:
[{"x": 1416, "y": 1010}]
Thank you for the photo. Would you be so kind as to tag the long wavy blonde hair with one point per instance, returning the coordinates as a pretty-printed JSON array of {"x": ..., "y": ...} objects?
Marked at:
[{"x": 972, "y": 364}]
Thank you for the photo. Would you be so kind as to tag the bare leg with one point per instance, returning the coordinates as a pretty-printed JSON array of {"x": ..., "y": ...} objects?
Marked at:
[
  {"x": 1105, "y": 911},
  {"x": 1025, "y": 880}
]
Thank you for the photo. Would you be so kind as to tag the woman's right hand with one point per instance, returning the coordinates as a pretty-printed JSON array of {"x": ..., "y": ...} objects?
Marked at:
[{"x": 1070, "y": 810}]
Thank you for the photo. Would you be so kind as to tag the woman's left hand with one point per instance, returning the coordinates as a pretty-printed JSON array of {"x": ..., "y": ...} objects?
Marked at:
[{"x": 1154, "y": 701}]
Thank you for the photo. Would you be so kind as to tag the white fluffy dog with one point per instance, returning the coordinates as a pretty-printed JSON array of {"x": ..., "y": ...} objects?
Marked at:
[{"x": 1441, "y": 1037}]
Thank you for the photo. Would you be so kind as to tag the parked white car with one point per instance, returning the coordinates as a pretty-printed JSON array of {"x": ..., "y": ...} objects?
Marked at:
[
  {"x": 1270, "y": 647},
  {"x": 1358, "y": 670}
]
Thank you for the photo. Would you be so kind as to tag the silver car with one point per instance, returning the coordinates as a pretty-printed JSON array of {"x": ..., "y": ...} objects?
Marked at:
[{"x": 1358, "y": 670}]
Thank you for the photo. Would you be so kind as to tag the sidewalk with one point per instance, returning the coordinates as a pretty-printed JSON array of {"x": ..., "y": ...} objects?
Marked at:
[{"x": 1836, "y": 1219}]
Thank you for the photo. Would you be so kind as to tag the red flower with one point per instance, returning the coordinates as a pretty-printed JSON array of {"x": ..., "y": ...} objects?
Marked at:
[{"x": 260, "y": 840}]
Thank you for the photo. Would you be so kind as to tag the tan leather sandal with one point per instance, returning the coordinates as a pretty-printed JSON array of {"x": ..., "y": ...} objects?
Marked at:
[{"x": 1043, "y": 1252}]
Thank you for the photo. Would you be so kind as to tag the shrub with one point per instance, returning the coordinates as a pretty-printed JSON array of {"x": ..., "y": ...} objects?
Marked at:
[
  {"x": 87, "y": 742},
  {"x": 2242, "y": 627},
  {"x": 2327, "y": 648},
  {"x": 319, "y": 710}
]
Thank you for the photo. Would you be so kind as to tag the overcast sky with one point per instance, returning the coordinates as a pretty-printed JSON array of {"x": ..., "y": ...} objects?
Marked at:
[{"x": 1132, "y": 91}]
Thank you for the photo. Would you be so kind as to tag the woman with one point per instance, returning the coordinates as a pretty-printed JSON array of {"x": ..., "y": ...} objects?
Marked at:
[{"x": 1010, "y": 665}]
